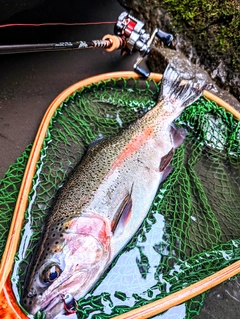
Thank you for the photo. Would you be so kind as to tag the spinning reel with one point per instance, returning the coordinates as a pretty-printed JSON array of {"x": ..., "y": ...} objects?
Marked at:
[{"x": 132, "y": 32}]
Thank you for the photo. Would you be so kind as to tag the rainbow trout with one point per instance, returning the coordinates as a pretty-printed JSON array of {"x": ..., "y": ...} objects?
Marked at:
[{"x": 104, "y": 202}]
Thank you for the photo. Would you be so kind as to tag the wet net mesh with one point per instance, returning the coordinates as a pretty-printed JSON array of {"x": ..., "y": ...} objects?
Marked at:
[{"x": 192, "y": 229}]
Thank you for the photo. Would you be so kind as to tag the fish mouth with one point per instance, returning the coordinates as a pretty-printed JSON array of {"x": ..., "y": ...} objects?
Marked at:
[
  {"x": 52, "y": 303},
  {"x": 49, "y": 305},
  {"x": 54, "y": 306}
]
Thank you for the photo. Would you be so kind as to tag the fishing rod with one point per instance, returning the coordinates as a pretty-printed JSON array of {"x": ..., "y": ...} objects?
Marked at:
[
  {"x": 59, "y": 46},
  {"x": 129, "y": 36}
]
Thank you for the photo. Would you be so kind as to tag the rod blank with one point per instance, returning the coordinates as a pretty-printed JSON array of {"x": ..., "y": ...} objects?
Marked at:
[{"x": 60, "y": 46}]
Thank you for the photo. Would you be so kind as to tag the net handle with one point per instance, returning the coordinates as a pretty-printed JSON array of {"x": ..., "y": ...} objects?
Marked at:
[{"x": 22, "y": 201}]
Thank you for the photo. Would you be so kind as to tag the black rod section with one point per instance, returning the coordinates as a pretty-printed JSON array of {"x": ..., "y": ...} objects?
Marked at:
[{"x": 77, "y": 45}]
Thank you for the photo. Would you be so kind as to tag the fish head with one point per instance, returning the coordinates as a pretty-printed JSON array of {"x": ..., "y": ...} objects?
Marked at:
[{"x": 70, "y": 261}]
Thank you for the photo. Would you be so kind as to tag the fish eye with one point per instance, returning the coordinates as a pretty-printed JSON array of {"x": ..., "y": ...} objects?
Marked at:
[{"x": 51, "y": 273}]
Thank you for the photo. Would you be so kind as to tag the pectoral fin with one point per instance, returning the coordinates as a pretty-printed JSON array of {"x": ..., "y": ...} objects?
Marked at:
[{"x": 123, "y": 214}]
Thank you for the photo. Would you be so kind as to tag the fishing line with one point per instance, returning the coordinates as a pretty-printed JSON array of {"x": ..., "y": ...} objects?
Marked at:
[{"x": 55, "y": 24}]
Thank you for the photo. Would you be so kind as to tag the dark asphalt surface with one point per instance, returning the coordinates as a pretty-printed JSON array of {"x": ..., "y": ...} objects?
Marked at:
[{"x": 29, "y": 82}]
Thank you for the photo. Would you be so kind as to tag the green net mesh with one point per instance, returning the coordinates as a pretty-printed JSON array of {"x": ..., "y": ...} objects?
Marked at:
[
  {"x": 9, "y": 188},
  {"x": 192, "y": 229}
]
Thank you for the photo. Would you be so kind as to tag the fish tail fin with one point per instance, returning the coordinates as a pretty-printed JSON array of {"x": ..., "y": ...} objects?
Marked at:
[{"x": 177, "y": 93}]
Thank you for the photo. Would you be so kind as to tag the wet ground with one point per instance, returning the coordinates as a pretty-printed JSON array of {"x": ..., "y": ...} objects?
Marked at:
[{"x": 29, "y": 83}]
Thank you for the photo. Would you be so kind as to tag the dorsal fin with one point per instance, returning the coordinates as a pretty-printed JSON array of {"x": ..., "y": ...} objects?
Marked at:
[{"x": 99, "y": 139}]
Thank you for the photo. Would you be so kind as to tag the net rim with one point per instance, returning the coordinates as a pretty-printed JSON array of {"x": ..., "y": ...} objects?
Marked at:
[{"x": 14, "y": 234}]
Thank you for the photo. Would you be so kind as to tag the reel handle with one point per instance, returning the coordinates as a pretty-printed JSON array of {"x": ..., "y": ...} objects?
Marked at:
[
  {"x": 165, "y": 37},
  {"x": 141, "y": 71}
]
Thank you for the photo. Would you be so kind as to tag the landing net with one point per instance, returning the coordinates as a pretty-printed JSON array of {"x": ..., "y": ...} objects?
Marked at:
[{"x": 192, "y": 229}]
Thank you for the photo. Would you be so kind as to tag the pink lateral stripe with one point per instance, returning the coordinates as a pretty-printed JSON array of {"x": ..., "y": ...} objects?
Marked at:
[{"x": 133, "y": 146}]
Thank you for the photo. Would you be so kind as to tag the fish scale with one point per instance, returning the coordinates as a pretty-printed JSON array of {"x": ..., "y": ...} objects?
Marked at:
[{"x": 105, "y": 201}]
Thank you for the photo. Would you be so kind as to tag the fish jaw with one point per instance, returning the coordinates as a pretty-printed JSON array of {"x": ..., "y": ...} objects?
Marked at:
[
  {"x": 85, "y": 252},
  {"x": 52, "y": 302}
]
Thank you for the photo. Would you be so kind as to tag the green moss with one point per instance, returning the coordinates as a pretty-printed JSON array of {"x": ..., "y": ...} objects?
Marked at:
[
  {"x": 200, "y": 13},
  {"x": 212, "y": 25}
]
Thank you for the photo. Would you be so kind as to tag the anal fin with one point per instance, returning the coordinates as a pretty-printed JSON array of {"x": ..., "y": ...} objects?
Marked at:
[{"x": 178, "y": 135}]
